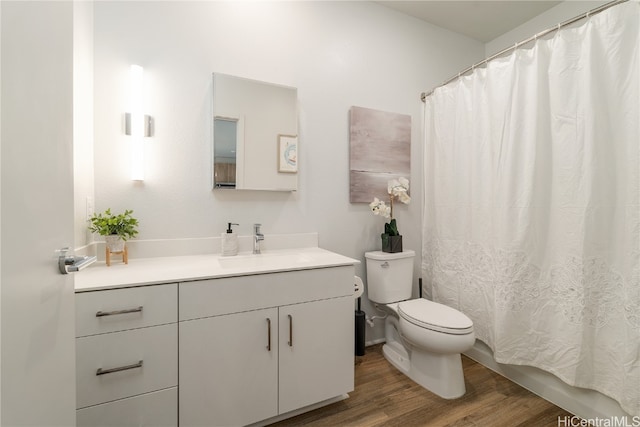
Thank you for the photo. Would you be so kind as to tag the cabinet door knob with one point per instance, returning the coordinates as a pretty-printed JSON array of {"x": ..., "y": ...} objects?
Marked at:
[{"x": 290, "y": 330}]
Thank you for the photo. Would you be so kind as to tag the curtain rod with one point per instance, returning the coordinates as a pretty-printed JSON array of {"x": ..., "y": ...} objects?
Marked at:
[{"x": 597, "y": 10}]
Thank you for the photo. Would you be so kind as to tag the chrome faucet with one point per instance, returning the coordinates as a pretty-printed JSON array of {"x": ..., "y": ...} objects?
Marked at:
[{"x": 257, "y": 236}]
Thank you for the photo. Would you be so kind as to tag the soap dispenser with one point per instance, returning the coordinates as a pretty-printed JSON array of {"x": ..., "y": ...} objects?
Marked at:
[{"x": 229, "y": 241}]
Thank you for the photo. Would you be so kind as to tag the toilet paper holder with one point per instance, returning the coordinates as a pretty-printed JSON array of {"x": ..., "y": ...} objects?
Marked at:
[{"x": 358, "y": 287}]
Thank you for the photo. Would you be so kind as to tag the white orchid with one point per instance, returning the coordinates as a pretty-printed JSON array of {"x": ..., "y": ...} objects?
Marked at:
[
  {"x": 399, "y": 188},
  {"x": 396, "y": 188},
  {"x": 380, "y": 208}
]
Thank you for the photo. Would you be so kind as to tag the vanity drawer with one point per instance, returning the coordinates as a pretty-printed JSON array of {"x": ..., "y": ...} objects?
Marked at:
[
  {"x": 113, "y": 310},
  {"x": 155, "y": 347},
  {"x": 157, "y": 409},
  {"x": 216, "y": 297}
]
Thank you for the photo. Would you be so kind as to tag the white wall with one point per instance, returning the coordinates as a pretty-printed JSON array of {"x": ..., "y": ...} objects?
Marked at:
[
  {"x": 558, "y": 14},
  {"x": 338, "y": 55},
  {"x": 0, "y": 212},
  {"x": 83, "y": 185}
]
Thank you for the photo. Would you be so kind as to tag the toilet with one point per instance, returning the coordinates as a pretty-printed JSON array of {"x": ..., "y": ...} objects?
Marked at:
[{"x": 424, "y": 339}]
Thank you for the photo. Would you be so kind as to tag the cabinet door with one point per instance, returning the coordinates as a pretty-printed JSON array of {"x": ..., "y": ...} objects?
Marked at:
[
  {"x": 228, "y": 375},
  {"x": 316, "y": 352}
]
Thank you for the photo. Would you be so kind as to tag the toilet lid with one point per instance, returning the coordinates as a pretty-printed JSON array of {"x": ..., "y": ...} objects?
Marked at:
[{"x": 434, "y": 316}]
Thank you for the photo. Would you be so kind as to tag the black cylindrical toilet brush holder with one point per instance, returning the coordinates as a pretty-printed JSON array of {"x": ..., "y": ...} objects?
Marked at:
[{"x": 359, "y": 336}]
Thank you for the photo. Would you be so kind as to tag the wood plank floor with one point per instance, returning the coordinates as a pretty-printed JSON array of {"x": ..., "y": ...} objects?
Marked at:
[{"x": 385, "y": 397}]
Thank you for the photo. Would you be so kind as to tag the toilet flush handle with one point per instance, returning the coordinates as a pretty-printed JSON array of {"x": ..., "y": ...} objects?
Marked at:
[{"x": 384, "y": 265}]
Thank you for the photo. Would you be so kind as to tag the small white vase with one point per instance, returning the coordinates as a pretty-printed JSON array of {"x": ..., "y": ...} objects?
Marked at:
[{"x": 114, "y": 243}]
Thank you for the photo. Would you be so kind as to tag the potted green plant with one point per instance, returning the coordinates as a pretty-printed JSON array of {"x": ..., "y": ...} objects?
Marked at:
[
  {"x": 116, "y": 228},
  {"x": 391, "y": 238}
]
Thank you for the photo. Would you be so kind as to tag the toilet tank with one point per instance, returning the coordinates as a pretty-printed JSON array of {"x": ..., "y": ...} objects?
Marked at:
[{"x": 389, "y": 276}]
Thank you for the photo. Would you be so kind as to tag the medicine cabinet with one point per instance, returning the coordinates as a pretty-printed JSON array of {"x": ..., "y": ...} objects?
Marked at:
[{"x": 251, "y": 122}]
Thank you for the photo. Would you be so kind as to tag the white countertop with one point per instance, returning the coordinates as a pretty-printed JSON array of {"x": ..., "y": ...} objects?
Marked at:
[{"x": 146, "y": 271}]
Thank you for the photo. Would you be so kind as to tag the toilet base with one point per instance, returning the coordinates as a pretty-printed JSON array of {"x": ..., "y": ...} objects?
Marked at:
[
  {"x": 439, "y": 373},
  {"x": 397, "y": 356}
]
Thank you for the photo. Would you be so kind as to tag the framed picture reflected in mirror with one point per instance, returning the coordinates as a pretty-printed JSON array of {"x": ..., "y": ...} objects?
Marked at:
[{"x": 287, "y": 153}]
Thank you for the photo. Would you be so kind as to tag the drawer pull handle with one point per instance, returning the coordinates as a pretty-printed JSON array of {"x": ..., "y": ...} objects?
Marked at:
[
  {"x": 268, "y": 334},
  {"x": 101, "y": 371},
  {"x": 290, "y": 330},
  {"x": 113, "y": 313}
]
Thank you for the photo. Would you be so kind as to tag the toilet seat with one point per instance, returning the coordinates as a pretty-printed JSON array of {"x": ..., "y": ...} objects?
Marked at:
[{"x": 434, "y": 316}]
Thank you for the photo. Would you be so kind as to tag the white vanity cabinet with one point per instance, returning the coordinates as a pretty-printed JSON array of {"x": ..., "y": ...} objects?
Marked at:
[
  {"x": 253, "y": 347},
  {"x": 127, "y": 356}
]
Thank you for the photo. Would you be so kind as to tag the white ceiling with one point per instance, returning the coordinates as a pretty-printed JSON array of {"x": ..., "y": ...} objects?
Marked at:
[{"x": 480, "y": 20}]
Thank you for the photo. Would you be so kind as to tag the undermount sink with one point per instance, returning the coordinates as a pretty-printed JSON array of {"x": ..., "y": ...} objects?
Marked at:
[{"x": 264, "y": 260}]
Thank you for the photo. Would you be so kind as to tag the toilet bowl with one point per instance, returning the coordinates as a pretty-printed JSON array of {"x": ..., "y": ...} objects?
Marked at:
[{"x": 424, "y": 339}]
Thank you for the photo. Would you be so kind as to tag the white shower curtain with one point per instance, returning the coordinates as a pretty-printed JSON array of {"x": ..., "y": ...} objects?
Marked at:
[{"x": 531, "y": 204}]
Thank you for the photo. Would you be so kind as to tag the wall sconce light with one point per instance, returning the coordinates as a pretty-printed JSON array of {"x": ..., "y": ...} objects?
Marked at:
[{"x": 137, "y": 124}]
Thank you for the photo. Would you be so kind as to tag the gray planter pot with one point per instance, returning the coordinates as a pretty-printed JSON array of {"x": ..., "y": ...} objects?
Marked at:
[{"x": 114, "y": 243}]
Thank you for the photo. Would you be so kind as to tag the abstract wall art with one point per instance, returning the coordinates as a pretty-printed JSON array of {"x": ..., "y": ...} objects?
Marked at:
[{"x": 379, "y": 150}]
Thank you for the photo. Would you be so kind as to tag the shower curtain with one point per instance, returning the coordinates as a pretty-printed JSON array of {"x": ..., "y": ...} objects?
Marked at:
[{"x": 531, "y": 216}]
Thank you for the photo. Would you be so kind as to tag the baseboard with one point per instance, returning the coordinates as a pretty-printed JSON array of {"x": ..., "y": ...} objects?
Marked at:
[
  {"x": 584, "y": 403},
  {"x": 374, "y": 342}
]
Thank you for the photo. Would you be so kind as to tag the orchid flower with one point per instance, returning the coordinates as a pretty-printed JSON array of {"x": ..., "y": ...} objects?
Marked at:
[
  {"x": 397, "y": 188},
  {"x": 379, "y": 207}
]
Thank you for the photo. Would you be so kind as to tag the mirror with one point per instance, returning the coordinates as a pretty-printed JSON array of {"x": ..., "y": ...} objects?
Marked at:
[
  {"x": 255, "y": 128},
  {"x": 225, "y": 135}
]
